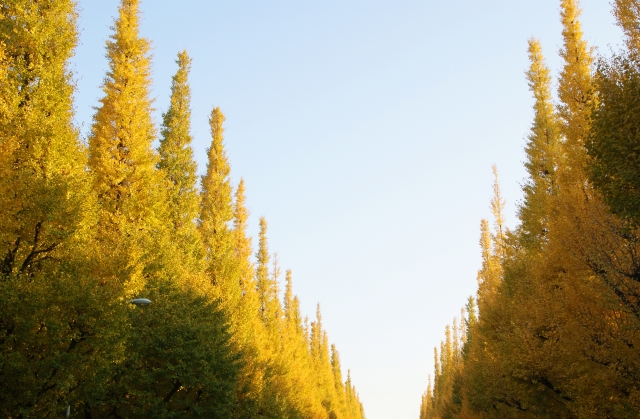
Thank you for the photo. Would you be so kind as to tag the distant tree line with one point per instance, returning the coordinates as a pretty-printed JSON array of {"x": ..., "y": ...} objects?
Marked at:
[{"x": 554, "y": 331}]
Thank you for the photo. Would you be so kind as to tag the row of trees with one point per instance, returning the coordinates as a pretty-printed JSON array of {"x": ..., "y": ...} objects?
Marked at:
[
  {"x": 85, "y": 227},
  {"x": 555, "y": 329}
]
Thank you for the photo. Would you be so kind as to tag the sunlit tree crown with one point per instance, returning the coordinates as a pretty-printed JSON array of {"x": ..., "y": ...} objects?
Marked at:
[
  {"x": 627, "y": 13},
  {"x": 542, "y": 149},
  {"x": 176, "y": 155},
  {"x": 216, "y": 211},
  {"x": 122, "y": 159},
  {"x": 575, "y": 89}
]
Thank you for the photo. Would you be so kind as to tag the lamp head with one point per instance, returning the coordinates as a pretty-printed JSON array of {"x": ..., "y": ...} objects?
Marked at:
[{"x": 140, "y": 302}]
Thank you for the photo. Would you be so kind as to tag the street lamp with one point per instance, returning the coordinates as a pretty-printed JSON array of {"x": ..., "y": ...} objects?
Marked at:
[{"x": 140, "y": 302}]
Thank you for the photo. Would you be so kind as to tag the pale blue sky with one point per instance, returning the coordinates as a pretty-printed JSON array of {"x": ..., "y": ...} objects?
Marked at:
[{"x": 365, "y": 131}]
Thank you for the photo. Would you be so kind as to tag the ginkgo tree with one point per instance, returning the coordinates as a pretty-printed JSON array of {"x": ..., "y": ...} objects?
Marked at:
[
  {"x": 87, "y": 226},
  {"x": 558, "y": 326}
]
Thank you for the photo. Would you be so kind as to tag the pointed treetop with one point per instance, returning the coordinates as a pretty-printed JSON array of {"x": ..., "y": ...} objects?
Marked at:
[
  {"x": 240, "y": 203},
  {"x": 497, "y": 209},
  {"x": 121, "y": 156},
  {"x": 267, "y": 286},
  {"x": 288, "y": 296},
  {"x": 263, "y": 247},
  {"x": 126, "y": 50},
  {"x": 572, "y": 30},
  {"x": 216, "y": 204},
  {"x": 242, "y": 242},
  {"x": 575, "y": 90},
  {"x": 216, "y": 120},
  {"x": 543, "y": 151},
  {"x": 275, "y": 272},
  {"x": 262, "y": 268},
  {"x": 241, "y": 215},
  {"x": 176, "y": 127},
  {"x": 470, "y": 309},
  {"x": 176, "y": 155},
  {"x": 485, "y": 241},
  {"x": 319, "y": 316},
  {"x": 218, "y": 168},
  {"x": 539, "y": 75}
]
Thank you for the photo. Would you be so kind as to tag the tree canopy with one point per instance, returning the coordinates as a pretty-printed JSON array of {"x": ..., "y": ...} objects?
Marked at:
[
  {"x": 557, "y": 326},
  {"x": 85, "y": 228}
]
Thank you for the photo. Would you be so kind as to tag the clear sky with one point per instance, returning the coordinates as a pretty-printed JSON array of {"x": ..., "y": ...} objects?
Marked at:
[{"x": 365, "y": 131}]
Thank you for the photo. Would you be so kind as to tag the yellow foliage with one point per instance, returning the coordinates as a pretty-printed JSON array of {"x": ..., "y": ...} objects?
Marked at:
[
  {"x": 558, "y": 326},
  {"x": 627, "y": 13},
  {"x": 77, "y": 244},
  {"x": 122, "y": 161}
]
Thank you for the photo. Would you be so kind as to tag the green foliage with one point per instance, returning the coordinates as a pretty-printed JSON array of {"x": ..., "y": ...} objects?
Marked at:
[
  {"x": 180, "y": 362},
  {"x": 615, "y": 137}
]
